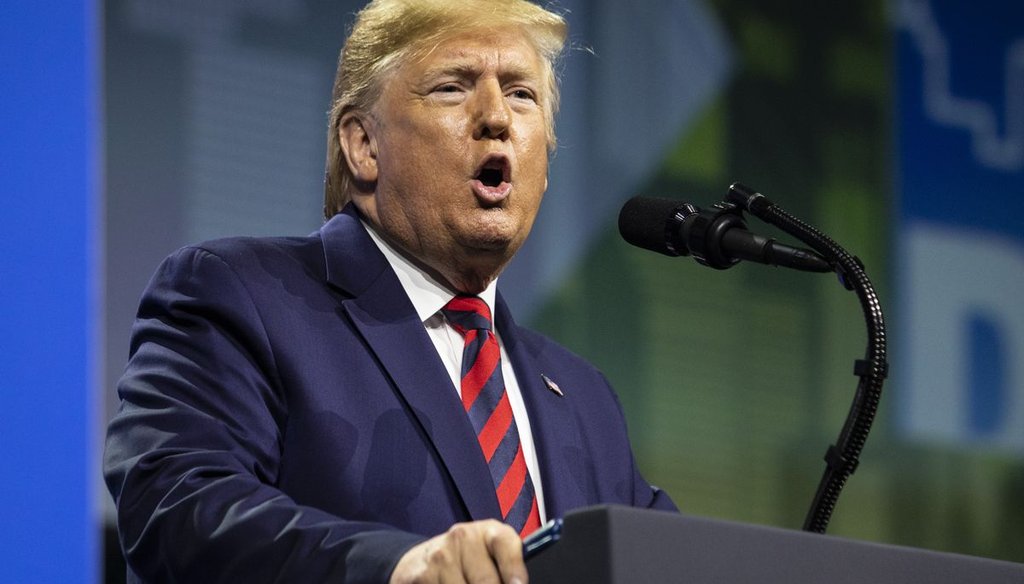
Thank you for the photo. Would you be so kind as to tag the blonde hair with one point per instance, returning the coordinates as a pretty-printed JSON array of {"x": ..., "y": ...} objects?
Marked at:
[{"x": 388, "y": 33}]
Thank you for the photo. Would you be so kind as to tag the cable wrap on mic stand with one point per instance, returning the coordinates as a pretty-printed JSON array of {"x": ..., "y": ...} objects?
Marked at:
[{"x": 841, "y": 458}]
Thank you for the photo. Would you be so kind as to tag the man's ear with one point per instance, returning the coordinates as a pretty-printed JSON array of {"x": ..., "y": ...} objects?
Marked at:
[{"x": 359, "y": 147}]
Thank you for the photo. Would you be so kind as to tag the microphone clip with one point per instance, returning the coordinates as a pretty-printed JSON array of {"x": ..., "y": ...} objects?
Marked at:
[{"x": 703, "y": 230}]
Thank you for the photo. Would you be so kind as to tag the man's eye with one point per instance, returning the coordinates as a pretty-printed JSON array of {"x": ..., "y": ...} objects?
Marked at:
[
  {"x": 523, "y": 94},
  {"x": 448, "y": 88}
]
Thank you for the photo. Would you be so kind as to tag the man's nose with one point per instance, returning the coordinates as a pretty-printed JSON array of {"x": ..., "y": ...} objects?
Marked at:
[{"x": 493, "y": 117}]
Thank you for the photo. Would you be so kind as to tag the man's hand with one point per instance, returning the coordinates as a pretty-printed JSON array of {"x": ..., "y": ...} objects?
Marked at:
[{"x": 480, "y": 552}]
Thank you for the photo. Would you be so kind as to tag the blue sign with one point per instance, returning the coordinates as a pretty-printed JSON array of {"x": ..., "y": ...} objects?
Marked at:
[
  {"x": 49, "y": 163},
  {"x": 960, "y": 222}
]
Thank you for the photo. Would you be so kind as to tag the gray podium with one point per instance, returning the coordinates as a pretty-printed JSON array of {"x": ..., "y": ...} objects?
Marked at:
[{"x": 620, "y": 545}]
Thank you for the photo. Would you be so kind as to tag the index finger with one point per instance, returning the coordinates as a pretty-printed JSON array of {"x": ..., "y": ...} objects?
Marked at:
[{"x": 506, "y": 548}]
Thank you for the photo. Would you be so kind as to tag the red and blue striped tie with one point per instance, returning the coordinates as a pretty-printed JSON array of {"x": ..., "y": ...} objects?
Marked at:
[{"x": 486, "y": 403}]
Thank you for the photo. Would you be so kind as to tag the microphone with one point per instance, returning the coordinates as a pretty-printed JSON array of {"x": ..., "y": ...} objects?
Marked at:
[{"x": 716, "y": 237}]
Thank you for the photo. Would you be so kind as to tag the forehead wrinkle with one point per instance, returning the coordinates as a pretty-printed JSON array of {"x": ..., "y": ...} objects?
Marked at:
[
  {"x": 518, "y": 63},
  {"x": 462, "y": 69}
]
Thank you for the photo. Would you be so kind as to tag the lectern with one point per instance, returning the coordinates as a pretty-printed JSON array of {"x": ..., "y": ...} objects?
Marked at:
[{"x": 622, "y": 545}]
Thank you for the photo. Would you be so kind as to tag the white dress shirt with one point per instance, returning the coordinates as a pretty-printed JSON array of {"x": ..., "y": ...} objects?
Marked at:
[{"x": 428, "y": 298}]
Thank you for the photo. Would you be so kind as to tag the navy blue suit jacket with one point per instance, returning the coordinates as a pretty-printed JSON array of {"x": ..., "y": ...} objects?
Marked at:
[{"x": 285, "y": 417}]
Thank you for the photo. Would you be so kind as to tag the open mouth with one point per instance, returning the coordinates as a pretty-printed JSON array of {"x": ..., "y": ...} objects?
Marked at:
[
  {"x": 494, "y": 171},
  {"x": 491, "y": 177}
]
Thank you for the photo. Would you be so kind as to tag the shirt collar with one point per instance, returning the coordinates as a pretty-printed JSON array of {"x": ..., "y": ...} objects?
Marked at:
[{"x": 427, "y": 295}]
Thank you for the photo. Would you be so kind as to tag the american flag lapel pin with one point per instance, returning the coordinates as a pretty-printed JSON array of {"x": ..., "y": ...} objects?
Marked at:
[{"x": 552, "y": 385}]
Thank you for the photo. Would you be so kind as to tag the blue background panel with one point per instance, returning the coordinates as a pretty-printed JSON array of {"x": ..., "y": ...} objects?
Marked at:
[
  {"x": 961, "y": 222},
  {"x": 48, "y": 169}
]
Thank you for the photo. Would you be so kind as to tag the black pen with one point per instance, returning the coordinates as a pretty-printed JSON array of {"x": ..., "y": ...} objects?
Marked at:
[{"x": 542, "y": 539}]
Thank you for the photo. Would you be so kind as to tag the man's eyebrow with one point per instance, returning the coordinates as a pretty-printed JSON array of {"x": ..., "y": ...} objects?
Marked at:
[
  {"x": 520, "y": 71},
  {"x": 458, "y": 69},
  {"x": 467, "y": 69}
]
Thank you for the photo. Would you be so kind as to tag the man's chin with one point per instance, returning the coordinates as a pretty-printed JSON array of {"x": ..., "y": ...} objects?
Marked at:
[
  {"x": 496, "y": 244},
  {"x": 494, "y": 230}
]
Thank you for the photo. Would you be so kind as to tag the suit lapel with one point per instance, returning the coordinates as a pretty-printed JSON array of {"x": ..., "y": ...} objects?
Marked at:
[
  {"x": 551, "y": 419},
  {"x": 384, "y": 316}
]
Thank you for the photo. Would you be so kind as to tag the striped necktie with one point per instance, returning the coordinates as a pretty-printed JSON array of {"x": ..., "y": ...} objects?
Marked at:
[{"x": 486, "y": 403}]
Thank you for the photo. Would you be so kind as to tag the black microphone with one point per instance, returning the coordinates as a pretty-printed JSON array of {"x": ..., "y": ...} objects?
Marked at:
[{"x": 716, "y": 237}]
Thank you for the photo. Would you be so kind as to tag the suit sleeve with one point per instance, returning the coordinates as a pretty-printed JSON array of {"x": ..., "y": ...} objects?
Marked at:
[
  {"x": 192, "y": 456},
  {"x": 653, "y": 497}
]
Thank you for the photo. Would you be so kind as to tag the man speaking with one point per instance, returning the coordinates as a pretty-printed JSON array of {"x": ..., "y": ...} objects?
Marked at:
[{"x": 359, "y": 405}]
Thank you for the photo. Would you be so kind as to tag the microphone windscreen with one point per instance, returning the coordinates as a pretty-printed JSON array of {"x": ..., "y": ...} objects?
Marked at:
[{"x": 644, "y": 222}]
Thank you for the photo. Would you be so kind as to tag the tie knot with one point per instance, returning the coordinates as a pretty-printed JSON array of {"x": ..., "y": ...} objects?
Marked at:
[{"x": 467, "y": 313}]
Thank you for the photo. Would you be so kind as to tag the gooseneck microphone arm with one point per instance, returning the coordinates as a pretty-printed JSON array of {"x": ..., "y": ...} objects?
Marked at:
[{"x": 841, "y": 458}]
